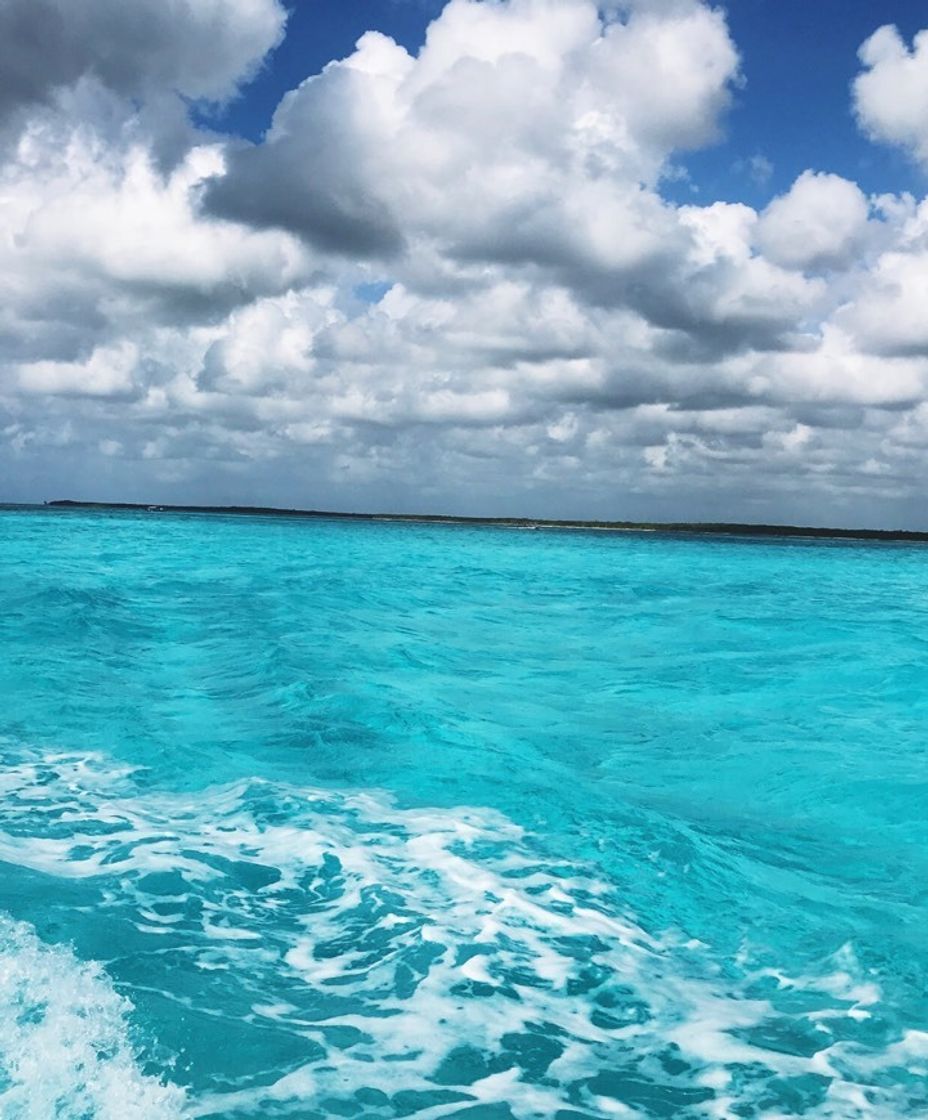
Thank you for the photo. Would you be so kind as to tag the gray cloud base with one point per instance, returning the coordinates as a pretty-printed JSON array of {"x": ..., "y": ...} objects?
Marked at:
[{"x": 200, "y": 48}]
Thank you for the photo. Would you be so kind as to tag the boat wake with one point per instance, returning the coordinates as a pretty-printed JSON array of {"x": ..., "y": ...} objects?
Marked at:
[{"x": 267, "y": 951}]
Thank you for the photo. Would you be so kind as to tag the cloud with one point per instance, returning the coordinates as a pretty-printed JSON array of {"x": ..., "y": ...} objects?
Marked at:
[
  {"x": 108, "y": 372},
  {"x": 528, "y": 136},
  {"x": 198, "y": 48},
  {"x": 891, "y": 93},
  {"x": 446, "y": 280},
  {"x": 522, "y": 132},
  {"x": 101, "y": 243},
  {"x": 757, "y": 167},
  {"x": 821, "y": 222},
  {"x": 886, "y": 316}
]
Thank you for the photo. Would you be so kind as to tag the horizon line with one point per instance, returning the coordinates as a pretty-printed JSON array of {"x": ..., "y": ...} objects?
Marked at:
[{"x": 717, "y": 528}]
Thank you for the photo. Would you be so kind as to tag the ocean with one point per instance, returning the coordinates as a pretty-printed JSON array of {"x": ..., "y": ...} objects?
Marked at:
[{"x": 317, "y": 819}]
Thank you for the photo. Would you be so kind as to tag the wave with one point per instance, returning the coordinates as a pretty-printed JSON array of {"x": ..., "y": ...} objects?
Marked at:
[
  {"x": 65, "y": 1040},
  {"x": 309, "y": 952}
]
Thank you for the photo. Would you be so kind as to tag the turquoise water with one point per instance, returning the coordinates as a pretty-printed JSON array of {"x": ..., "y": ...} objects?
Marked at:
[{"x": 321, "y": 819}]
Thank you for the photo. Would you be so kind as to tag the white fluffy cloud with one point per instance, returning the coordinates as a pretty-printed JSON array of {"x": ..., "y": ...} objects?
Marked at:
[
  {"x": 547, "y": 114},
  {"x": 887, "y": 314},
  {"x": 821, "y": 222},
  {"x": 891, "y": 94},
  {"x": 101, "y": 245},
  {"x": 448, "y": 280}
]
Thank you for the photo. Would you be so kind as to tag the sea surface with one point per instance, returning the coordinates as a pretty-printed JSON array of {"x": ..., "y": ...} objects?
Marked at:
[{"x": 317, "y": 819}]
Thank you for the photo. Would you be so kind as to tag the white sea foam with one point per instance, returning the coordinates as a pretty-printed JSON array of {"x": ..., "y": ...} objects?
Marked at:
[
  {"x": 424, "y": 952},
  {"x": 65, "y": 1049}
]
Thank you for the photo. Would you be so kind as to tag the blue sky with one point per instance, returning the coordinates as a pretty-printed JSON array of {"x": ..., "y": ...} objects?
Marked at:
[
  {"x": 652, "y": 259},
  {"x": 799, "y": 58}
]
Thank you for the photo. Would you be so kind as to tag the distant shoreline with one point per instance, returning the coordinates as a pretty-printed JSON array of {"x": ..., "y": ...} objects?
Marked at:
[{"x": 725, "y": 529}]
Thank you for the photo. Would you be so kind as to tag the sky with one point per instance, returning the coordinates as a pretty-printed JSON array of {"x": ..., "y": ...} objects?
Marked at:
[{"x": 645, "y": 259}]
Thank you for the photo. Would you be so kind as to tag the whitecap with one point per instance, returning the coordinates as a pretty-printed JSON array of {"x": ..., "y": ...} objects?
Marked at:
[{"x": 65, "y": 1040}]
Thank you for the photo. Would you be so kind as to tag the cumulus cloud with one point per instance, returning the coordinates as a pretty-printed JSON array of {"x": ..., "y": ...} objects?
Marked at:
[
  {"x": 545, "y": 112},
  {"x": 821, "y": 222},
  {"x": 531, "y": 136},
  {"x": 887, "y": 317},
  {"x": 198, "y": 48},
  {"x": 448, "y": 280},
  {"x": 891, "y": 93},
  {"x": 103, "y": 252},
  {"x": 107, "y": 372}
]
